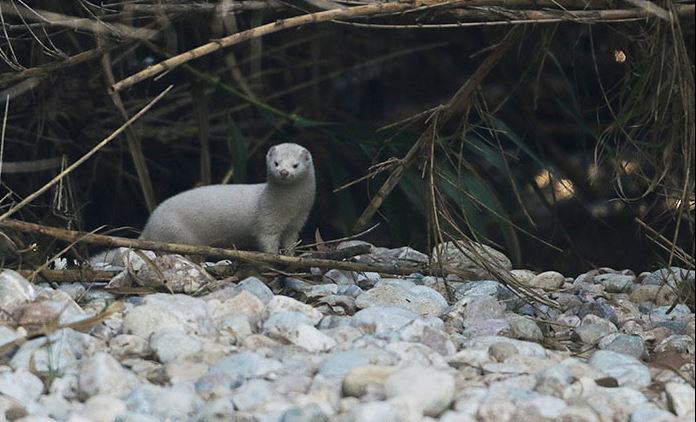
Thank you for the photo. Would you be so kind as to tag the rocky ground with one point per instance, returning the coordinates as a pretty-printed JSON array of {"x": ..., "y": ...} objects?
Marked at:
[{"x": 352, "y": 347}]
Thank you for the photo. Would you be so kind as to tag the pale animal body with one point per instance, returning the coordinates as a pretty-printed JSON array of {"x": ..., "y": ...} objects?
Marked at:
[{"x": 265, "y": 216}]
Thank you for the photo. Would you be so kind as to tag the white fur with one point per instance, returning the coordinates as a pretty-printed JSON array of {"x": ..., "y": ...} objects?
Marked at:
[{"x": 265, "y": 216}]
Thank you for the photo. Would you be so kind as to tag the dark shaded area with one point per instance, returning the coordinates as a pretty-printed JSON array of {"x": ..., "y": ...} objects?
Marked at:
[{"x": 550, "y": 94}]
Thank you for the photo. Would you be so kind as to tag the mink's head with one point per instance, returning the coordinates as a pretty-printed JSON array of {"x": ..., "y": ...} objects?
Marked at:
[{"x": 288, "y": 163}]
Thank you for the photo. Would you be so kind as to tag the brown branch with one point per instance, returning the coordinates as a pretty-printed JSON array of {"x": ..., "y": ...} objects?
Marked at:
[
  {"x": 456, "y": 104},
  {"x": 134, "y": 144},
  {"x": 94, "y": 26},
  {"x": 69, "y": 275},
  {"x": 259, "y": 31},
  {"x": 44, "y": 70},
  {"x": 512, "y": 16},
  {"x": 257, "y": 257}
]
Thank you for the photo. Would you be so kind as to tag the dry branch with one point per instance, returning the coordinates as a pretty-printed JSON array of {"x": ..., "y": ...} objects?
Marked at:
[
  {"x": 68, "y": 275},
  {"x": 440, "y": 117},
  {"x": 259, "y": 31},
  {"x": 94, "y": 26},
  {"x": 255, "y": 257},
  {"x": 46, "y": 69}
]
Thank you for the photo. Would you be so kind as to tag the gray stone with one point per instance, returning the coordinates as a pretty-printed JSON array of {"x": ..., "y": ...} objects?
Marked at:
[
  {"x": 310, "y": 339},
  {"x": 60, "y": 352},
  {"x": 175, "y": 272},
  {"x": 676, "y": 344},
  {"x": 419, "y": 331},
  {"x": 553, "y": 380},
  {"x": 525, "y": 348},
  {"x": 178, "y": 402},
  {"x": 103, "y": 408},
  {"x": 246, "y": 365},
  {"x": 481, "y": 288},
  {"x": 548, "y": 280},
  {"x": 102, "y": 374},
  {"x": 244, "y": 303},
  {"x": 338, "y": 277},
  {"x": 284, "y": 304},
  {"x": 593, "y": 329},
  {"x": 366, "y": 280},
  {"x": 129, "y": 346},
  {"x": 502, "y": 351},
  {"x": 235, "y": 327},
  {"x": 218, "y": 410},
  {"x": 309, "y": 413},
  {"x": 632, "y": 345},
  {"x": 160, "y": 311},
  {"x": 280, "y": 324},
  {"x": 651, "y": 414},
  {"x": 627, "y": 370},
  {"x": 429, "y": 389},
  {"x": 375, "y": 411},
  {"x": 463, "y": 258},
  {"x": 615, "y": 283},
  {"x": 22, "y": 386},
  {"x": 525, "y": 329},
  {"x": 256, "y": 287},
  {"x": 253, "y": 394},
  {"x": 339, "y": 364},
  {"x": 359, "y": 379},
  {"x": 218, "y": 383},
  {"x": 485, "y": 328},
  {"x": 170, "y": 344},
  {"x": 14, "y": 289},
  {"x": 473, "y": 308},
  {"x": 680, "y": 397},
  {"x": 382, "y": 320},
  {"x": 419, "y": 299},
  {"x": 672, "y": 277}
]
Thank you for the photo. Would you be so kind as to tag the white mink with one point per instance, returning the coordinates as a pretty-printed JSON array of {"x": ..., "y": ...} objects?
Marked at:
[{"x": 265, "y": 216}]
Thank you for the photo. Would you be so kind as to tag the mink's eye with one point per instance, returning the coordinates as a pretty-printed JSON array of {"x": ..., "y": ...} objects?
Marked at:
[
  {"x": 295, "y": 165},
  {"x": 276, "y": 164}
]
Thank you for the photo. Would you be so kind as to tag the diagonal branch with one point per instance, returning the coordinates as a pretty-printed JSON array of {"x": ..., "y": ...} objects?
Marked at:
[
  {"x": 94, "y": 26},
  {"x": 457, "y": 104},
  {"x": 259, "y": 31}
]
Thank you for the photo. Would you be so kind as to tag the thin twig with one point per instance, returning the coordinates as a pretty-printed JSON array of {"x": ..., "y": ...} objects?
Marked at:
[
  {"x": 256, "y": 32},
  {"x": 85, "y": 157},
  {"x": 96, "y": 27}
]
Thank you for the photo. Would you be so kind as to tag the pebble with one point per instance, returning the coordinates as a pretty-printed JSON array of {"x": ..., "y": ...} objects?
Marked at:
[
  {"x": 680, "y": 397},
  {"x": 171, "y": 344},
  {"x": 548, "y": 280},
  {"x": 615, "y": 283},
  {"x": 627, "y": 370},
  {"x": 460, "y": 258},
  {"x": 593, "y": 328},
  {"x": 422, "y": 300},
  {"x": 14, "y": 290},
  {"x": 632, "y": 345},
  {"x": 428, "y": 389},
  {"x": 351, "y": 346}
]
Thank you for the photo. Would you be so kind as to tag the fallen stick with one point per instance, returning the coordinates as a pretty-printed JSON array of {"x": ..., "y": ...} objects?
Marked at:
[
  {"x": 68, "y": 275},
  {"x": 248, "y": 256}
]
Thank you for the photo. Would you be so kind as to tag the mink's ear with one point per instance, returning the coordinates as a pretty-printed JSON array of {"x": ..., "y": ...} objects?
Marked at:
[
  {"x": 271, "y": 151},
  {"x": 306, "y": 155}
]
